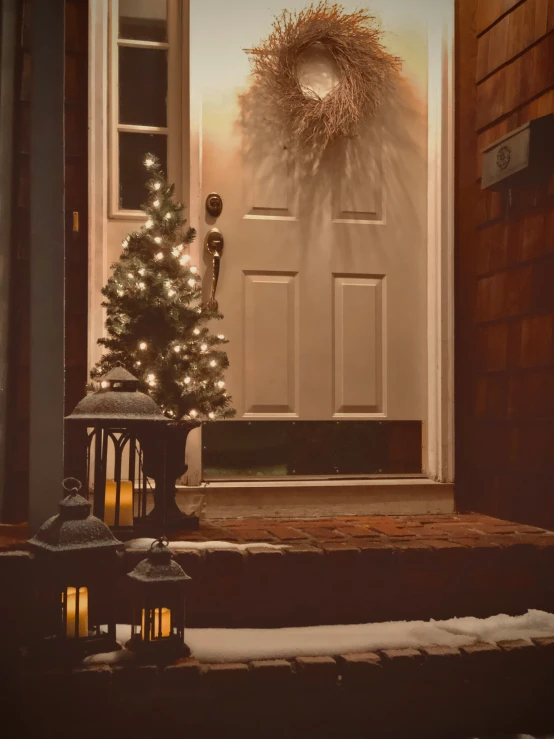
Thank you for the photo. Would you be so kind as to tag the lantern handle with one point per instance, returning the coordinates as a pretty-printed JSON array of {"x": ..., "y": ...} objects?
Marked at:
[
  {"x": 160, "y": 541},
  {"x": 71, "y": 485}
]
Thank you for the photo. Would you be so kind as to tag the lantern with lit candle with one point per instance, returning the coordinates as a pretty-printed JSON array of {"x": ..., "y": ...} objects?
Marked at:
[
  {"x": 158, "y": 585},
  {"x": 75, "y": 556},
  {"x": 118, "y": 418}
]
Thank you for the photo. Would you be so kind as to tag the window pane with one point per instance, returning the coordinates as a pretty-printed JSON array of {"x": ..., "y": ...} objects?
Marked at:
[
  {"x": 143, "y": 20},
  {"x": 142, "y": 86},
  {"x": 132, "y": 174}
]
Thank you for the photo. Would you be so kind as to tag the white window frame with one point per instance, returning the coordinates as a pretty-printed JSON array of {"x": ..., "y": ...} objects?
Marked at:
[{"x": 173, "y": 131}]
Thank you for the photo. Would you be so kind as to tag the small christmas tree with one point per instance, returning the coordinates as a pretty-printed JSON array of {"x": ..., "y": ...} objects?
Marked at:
[{"x": 156, "y": 321}]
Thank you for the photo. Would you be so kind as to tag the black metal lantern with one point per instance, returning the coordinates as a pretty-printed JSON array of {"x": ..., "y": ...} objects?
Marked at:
[
  {"x": 75, "y": 567},
  {"x": 119, "y": 420},
  {"x": 158, "y": 586}
]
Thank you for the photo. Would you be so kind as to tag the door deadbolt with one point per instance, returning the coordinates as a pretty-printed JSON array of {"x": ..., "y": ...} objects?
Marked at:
[{"x": 214, "y": 204}]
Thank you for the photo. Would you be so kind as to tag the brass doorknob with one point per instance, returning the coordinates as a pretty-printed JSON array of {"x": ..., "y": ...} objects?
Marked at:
[{"x": 214, "y": 241}]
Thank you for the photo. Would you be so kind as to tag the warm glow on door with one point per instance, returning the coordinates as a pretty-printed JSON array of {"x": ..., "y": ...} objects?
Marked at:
[
  {"x": 76, "y": 613},
  {"x": 160, "y": 624}
]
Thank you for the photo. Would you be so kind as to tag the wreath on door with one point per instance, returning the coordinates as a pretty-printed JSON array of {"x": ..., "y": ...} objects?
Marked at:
[{"x": 353, "y": 41}]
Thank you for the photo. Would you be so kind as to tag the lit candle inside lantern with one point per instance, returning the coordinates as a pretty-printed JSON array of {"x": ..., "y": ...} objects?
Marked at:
[
  {"x": 125, "y": 503},
  {"x": 76, "y": 613},
  {"x": 160, "y": 624}
]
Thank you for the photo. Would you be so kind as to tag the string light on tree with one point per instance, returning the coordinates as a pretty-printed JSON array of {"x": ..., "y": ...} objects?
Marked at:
[{"x": 159, "y": 317}]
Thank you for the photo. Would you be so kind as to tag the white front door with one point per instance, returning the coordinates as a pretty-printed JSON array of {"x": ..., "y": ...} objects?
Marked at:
[{"x": 323, "y": 274}]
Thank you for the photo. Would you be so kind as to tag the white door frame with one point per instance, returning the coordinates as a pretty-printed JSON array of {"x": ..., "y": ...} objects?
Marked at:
[
  {"x": 438, "y": 451},
  {"x": 439, "y": 447}
]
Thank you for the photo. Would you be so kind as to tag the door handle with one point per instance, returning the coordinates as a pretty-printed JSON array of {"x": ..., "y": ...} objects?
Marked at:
[{"x": 214, "y": 246}]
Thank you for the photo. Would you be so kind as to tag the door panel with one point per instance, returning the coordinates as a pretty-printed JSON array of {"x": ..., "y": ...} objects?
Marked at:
[
  {"x": 270, "y": 344},
  {"x": 323, "y": 278},
  {"x": 358, "y": 358}
]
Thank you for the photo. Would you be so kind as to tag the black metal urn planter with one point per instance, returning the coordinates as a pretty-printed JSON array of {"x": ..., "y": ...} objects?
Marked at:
[
  {"x": 164, "y": 462},
  {"x": 129, "y": 440},
  {"x": 75, "y": 572}
]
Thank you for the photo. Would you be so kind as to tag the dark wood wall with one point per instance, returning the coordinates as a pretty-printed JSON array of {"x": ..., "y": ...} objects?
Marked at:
[
  {"x": 76, "y": 242},
  {"x": 504, "y": 268}
]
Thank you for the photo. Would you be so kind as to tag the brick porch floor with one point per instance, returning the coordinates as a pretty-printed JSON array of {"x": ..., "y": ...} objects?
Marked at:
[{"x": 436, "y": 531}]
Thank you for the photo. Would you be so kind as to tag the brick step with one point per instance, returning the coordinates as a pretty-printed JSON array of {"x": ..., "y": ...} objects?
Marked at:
[
  {"x": 359, "y": 570},
  {"x": 344, "y": 570},
  {"x": 437, "y": 693}
]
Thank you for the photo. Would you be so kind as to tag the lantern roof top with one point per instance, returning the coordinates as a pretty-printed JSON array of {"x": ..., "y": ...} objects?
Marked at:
[
  {"x": 158, "y": 567},
  {"x": 119, "y": 402},
  {"x": 73, "y": 528},
  {"x": 120, "y": 374}
]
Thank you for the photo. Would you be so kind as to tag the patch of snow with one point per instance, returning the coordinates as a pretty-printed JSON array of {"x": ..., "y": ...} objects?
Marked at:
[
  {"x": 183, "y": 546},
  {"x": 498, "y": 628},
  {"x": 122, "y": 635},
  {"x": 244, "y": 645}
]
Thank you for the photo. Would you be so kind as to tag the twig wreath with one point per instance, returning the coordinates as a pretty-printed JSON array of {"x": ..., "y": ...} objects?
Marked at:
[{"x": 366, "y": 70}]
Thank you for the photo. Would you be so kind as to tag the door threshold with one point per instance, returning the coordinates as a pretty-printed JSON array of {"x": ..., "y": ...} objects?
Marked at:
[{"x": 319, "y": 498}]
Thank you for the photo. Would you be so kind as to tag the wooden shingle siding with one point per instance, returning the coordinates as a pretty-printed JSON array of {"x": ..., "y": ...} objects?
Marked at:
[
  {"x": 513, "y": 34},
  {"x": 492, "y": 11},
  {"x": 504, "y": 268},
  {"x": 517, "y": 83}
]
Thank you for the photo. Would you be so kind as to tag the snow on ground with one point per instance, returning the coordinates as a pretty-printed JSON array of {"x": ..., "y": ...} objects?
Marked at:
[
  {"x": 243, "y": 645},
  {"x": 179, "y": 546}
]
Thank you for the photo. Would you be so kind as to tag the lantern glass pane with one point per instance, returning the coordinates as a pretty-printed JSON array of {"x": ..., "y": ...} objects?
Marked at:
[{"x": 75, "y": 612}]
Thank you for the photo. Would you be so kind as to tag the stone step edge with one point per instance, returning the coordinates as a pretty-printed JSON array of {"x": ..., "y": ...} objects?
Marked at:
[{"x": 504, "y": 658}]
